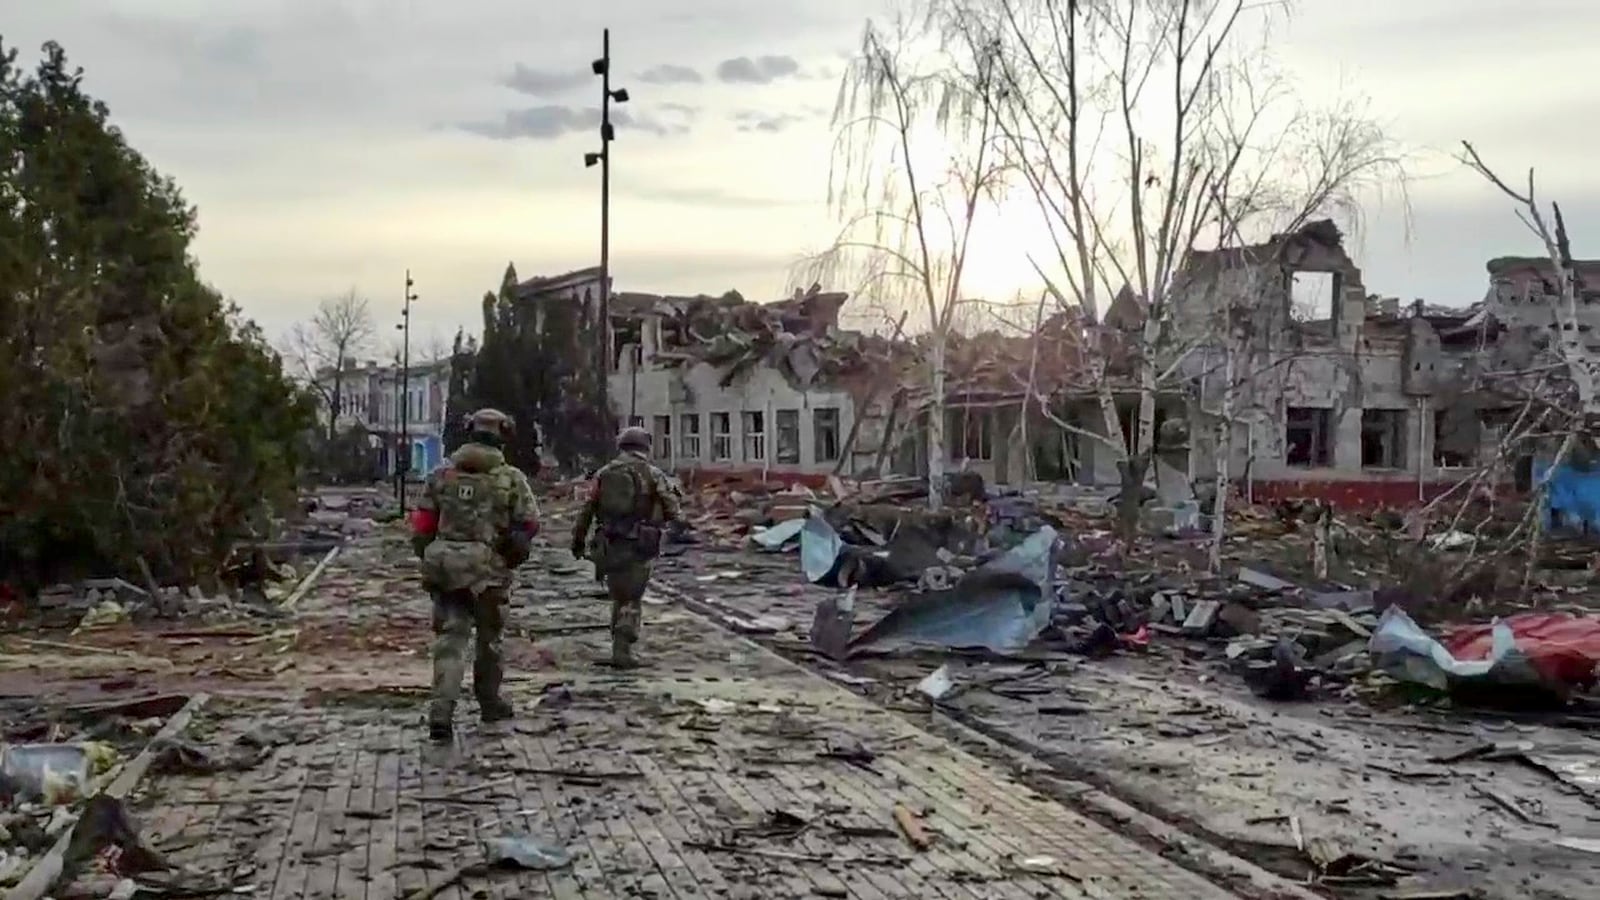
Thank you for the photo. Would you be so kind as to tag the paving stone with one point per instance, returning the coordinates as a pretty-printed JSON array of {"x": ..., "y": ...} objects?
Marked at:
[{"x": 657, "y": 782}]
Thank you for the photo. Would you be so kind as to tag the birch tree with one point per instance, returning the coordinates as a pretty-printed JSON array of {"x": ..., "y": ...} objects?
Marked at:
[
  {"x": 339, "y": 332},
  {"x": 1562, "y": 383},
  {"x": 917, "y": 162},
  {"x": 1146, "y": 129}
]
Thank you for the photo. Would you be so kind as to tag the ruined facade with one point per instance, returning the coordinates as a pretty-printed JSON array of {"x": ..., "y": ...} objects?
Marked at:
[
  {"x": 780, "y": 390},
  {"x": 726, "y": 385},
  {"x": 1345, "y": 395},
  {"x": 1337, "y": 393}
]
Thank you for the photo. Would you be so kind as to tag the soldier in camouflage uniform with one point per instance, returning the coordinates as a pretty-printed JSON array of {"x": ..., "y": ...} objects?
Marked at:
[
  {"x": 472, "y": 529},
  {"x": 629, "y": 502}
]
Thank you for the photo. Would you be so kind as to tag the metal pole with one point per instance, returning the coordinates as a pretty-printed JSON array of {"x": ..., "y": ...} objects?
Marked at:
[
  {"x": 404, "y": 468},
  {"x": 605, "y": 222}
]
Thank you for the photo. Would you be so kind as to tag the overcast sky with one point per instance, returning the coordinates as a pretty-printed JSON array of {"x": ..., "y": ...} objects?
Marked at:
[{"x": 334, "y": 143}]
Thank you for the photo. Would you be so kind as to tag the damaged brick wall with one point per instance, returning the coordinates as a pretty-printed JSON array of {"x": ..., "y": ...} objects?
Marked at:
[{"x": 1341, "y": 391}]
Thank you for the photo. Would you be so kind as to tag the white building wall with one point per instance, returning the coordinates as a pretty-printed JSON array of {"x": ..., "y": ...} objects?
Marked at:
[{"x": 694, "y": 390}]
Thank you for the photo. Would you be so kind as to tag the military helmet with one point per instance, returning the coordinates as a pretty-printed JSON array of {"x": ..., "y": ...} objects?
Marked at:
[
  {"x": 634, "y": 438},
  {"x": 491, "y": 422}
]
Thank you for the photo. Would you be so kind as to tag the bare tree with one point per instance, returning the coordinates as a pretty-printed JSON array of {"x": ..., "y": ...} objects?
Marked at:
[
  {"x": 1146, "y": 129},
  {"x": 1561, "y": 384},
  {"x": 321, "y": 349},
  {"x": 917, "y": 160}
]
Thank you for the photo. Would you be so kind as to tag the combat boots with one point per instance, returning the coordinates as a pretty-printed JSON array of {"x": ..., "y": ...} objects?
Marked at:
[
  {"x": 622, "y": 656},
  {"x": 441, "y": 724},
  {"x": 495, "y": 709}
]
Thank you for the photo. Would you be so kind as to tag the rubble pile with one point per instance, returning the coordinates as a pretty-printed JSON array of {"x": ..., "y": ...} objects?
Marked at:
[
  {"x": 57, "y": 771},
  {"x": 951, "y": 577},
  {"x": 800, "y": 338},
  {"x": 256, "y": 579}
]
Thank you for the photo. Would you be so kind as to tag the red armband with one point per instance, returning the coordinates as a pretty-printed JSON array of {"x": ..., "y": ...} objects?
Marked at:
[{"x": 424, "y": 521}]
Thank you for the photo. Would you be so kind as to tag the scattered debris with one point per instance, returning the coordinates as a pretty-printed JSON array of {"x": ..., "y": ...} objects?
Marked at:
[{"x": 911, "y": 827}]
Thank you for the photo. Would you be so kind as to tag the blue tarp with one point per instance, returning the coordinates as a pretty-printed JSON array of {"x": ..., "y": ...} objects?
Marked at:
[
  {"x": 1000, "y": 606},
  {"x": 1572, "y": 497}
]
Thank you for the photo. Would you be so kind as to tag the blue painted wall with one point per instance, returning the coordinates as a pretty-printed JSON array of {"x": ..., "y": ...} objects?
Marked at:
[{"x": 426, "y": 453}]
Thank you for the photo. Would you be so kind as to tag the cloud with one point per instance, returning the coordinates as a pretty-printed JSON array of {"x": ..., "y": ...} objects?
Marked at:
[
  {"x": 545, "y": 82},
  {"x": 760, "y": 70},
  {"x": 770, "y": 123},
  {"x": 550, "y": 121},
  {"x": 668, "y": 73},
  {"x": 703, "y": 196}
]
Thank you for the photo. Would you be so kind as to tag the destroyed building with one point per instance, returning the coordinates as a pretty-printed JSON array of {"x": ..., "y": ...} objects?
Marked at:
[
  {"x": 1340, "y": 394},
  {"x": 1345, "y": 395},
  {"x": 781, "y": 390}
]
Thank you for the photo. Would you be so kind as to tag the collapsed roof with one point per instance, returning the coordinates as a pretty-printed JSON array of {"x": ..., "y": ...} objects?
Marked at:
[{"x": 800, "y": 337}]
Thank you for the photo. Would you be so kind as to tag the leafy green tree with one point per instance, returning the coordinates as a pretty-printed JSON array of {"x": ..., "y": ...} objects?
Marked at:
[{"x": 147, "y": 425}]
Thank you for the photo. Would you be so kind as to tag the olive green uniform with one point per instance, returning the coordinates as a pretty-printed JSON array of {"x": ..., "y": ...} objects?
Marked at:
[
  {"x": 623, "y": 547},
  {"x": 484, "y": 515}
]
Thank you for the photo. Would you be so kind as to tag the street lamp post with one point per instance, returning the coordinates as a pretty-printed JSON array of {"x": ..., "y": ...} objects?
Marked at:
[
  {"x": 602, "y": 67},
  {"x": 403, "y": 468}
]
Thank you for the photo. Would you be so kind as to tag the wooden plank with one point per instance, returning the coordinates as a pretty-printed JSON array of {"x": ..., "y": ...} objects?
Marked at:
[
  {"x": 42, "y": 877},
  {"x": 383, "y": 839},
  {"x": 308, "y": 582}
]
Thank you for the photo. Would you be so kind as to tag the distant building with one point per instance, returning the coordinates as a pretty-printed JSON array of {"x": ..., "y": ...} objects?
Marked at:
[
  {"x": 1343, "y": 395},
  {"x": 373, "y": 399}
]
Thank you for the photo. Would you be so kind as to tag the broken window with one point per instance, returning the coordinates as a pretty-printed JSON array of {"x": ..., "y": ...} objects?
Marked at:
[
  {"x": 670, "y": 335},
  {"x": 825, "y": 432},
  {"x": 721, "y": 436},
  {"x": 753, "y": 428},
  {"x": 1307, "y": 436},
  {"x": 627, "y": 339},
  {"x": 663, "y": 437},
  {"x": 970, "y": 434},
  {"x": 788, "y": 436},
  {"x": 1456, "y": 434},
  {"x": 689, "y": 440},
  {"x": 1498, "y": 418},
  {"x": 1383, "y": 438},
  {"x": 1311, "y": 295},
  {"x": 1126, "y": 415}
]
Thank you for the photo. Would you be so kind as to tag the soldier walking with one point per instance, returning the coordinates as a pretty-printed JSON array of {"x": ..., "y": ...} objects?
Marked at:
[
  {"x": 474, "y": 526},
  {"x": 629, "y": 502}
]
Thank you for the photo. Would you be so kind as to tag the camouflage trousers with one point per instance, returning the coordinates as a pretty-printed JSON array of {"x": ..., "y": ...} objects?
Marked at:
[
  {"x": 457, "y": 616},
  {"x": 626, "y": 584}
]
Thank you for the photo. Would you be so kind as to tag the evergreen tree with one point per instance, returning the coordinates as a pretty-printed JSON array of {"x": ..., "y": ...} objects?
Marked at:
[
  {"x": 541, "y": 374},
  {"x": 146, "y": 423}
]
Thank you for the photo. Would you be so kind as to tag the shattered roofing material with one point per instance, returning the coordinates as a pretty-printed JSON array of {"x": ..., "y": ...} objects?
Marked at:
[{"x": 800, "y": 337}]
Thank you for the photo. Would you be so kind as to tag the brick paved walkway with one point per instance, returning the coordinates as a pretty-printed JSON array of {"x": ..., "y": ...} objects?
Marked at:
[{"x": 720, "y": 772}]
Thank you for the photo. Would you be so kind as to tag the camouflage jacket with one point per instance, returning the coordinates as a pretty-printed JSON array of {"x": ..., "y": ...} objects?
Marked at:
[
  {"x": 664, "y": 504},
  {"x": 471, "y": 506}
]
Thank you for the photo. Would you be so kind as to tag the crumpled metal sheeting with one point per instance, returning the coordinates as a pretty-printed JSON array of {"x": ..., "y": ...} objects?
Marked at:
[
  {"x": 1400, "y": 647},
  {"x": 1001, "y": 606}
]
